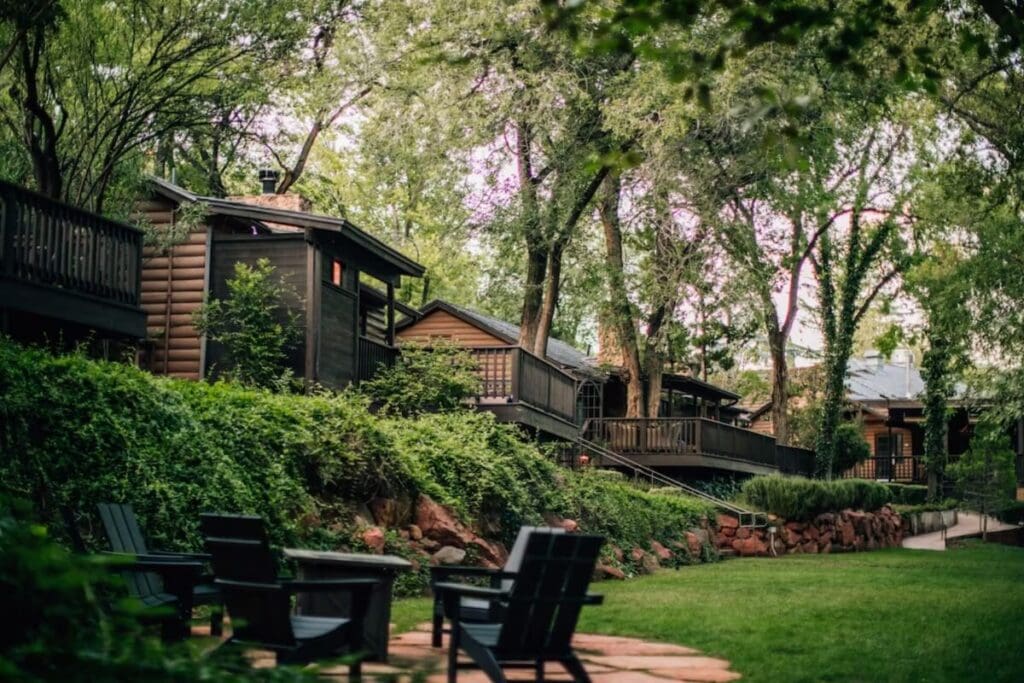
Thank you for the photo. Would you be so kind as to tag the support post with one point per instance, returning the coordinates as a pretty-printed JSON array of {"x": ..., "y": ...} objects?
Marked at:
[{"x": 390, "y": 337}]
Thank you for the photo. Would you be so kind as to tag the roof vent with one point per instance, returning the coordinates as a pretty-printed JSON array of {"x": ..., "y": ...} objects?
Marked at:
[{"x": 268, "y": 178}]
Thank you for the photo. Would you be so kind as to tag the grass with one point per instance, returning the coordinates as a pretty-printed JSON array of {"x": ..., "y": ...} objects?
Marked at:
[{"x": 892, "y": 615}]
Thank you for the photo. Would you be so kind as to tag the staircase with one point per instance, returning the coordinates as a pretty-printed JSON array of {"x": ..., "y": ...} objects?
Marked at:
[{"x": 608, "y": 458}]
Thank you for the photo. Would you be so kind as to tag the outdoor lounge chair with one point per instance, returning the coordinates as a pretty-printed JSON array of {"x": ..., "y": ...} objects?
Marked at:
[
  {"x": 190, "y": 587},
  {"x": 540, "y": 610},
  {"x": 480, "y": 609},
  {"x": 259, "y": 605},
  {"x": 230, "y": 525}
]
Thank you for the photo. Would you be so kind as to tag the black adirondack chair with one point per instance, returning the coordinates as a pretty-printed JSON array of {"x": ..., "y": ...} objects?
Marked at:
[
  {"x": 259, "y": 605},
  {"x": 540, "y": 610},
  {"x": 191, "y": 589},
  {"x": 480, "y": 609},
  {"x": 227, "y": 525}
]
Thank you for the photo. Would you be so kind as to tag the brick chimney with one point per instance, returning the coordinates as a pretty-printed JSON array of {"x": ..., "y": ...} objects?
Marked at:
[{"x": 289, "y": 201}]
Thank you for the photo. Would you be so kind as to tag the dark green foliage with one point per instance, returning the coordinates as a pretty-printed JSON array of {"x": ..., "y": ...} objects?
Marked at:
[
  {"x": 796, "y": 498},
  {"x": 984, "y": 475},
  {"x": 441, "y": 377},
  {"x": 67, "y": 618},
  {"x": 1013, "y": 513},
  {"x": 851, "y": 448},
  {"x": 908, "y": 494},
  {"x": 254, "y": 326}
]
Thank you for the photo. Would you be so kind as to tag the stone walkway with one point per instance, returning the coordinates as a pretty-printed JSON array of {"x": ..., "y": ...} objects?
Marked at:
[
  {"x": 608, "y": 659},
  {"x": 968, "y": 524}
]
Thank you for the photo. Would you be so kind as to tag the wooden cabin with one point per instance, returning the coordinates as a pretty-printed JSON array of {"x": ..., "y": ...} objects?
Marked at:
[
  {"x": 566, "y": 395},
  {"x": 68, "y": 276},
  {"x": 348, "y": 326}
]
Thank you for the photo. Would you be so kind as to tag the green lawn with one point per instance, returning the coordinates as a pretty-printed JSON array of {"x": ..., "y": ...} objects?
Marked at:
[{"x": 894, "y": 615}]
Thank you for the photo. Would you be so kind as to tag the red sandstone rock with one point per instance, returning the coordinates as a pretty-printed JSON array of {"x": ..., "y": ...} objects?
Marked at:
[
  {"x": 750, "y": 547},
  {"x": 743, "y": 532},
  {"x": 661, "y": 551},
  {"x": 617, "y": 553},
  {"x": 415, "y": 533},
  {"x": 791, "y": 536},
  {"x": 725, "y": 522},
  {"x": 796, "y": 526},
  {"x": 388, "y": 512},
  {"x": 438, "y": 523},
  {"x": 374, "y": 539},
  {"x": 846, "y": 533},
  {"x": 607, "y": 571},
  {"x": 728, "y": 531},
  {"x": 693, "y": 544},
  {"x": 810, "y": 547},
  {"x": 636, "y": 554},
  {"x": 570, "y": 526},
  {"x": 825, "y": 548},
  {"x": 811, "y": 533}
]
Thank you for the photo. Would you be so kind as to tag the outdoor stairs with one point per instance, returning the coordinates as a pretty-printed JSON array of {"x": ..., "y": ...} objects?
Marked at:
[{"x": 608, "y": 458}]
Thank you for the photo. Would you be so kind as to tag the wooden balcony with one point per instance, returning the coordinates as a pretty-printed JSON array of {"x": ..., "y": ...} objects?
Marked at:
[
  {"x": 68, "y": 265},
  {"x": 373, "y": 357},
  {"x": 697, "y": 442},
  {"x": 520, "y": 387}
]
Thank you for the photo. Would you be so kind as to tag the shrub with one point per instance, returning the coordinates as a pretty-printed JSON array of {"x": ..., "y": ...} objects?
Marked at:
[
  {"x": 442, "y": 377},
  {"x": 797, "y": 498},
  {"x": 984, "y": 475},
  {"x": 851, "y": 447},
  {"x": 1013, "y": 513},
  {"x": 908, "y": 494},
  {"x": 253, "y": 324}
]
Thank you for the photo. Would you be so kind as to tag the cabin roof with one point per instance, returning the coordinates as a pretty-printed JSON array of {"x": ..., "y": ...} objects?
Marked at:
[
  {"x": 696, "y": 387},
  {"x": 265, "y": 214},
  {"x": 870, "y": 380},
  {"x": 558, "y": 351}
]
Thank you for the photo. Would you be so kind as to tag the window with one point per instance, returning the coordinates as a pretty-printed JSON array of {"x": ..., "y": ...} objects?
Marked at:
[
  {"x": 337, "y": 272},
  {"x": 883, "y": 447}
]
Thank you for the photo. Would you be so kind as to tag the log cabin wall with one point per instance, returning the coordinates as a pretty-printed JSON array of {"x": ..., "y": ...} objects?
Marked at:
[
  {"x": 871, "y": 429},
  {"x": 444, "y": 325},
  {"x": 173, "y": 282}
]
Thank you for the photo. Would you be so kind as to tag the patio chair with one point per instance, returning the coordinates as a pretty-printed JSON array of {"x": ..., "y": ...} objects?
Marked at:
[
  {"x": 540, "y": 610},
  {"x": 229, "y": 525},
  {"x": 125, "y": 536},
  {"x": 259, "y": 604},
  {"x": 480, "y": 609}
]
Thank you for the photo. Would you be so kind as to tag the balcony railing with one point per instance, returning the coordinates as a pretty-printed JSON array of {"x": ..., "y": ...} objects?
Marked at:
[
  {"x": 47, "y": 243},
  {"x": 373, "y": 357},
  {"x": 901, "y": 468},
  {"x": 509, "y": 374},
  {"x": 696, "y": 436}
]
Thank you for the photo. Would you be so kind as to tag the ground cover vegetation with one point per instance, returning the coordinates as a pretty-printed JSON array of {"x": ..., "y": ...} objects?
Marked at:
[
  {"x": 801, "y": 499},
  {"x": 76, "y": 432}
]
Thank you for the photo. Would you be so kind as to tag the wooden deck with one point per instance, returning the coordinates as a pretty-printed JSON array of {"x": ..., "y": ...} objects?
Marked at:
[
  {"x": 61, "y": 263},
  {"x": 520, "y": 387},
  {"x": 689, "y": 442}
]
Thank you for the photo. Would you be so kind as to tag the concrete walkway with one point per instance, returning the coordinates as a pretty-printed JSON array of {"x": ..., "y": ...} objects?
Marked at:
[{"x": 968, "y": 524}]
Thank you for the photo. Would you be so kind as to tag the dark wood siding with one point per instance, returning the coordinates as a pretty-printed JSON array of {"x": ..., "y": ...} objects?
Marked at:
[
  {"x": 338, "y": 318},
  {"x": 287, "y": 253},
  {"x": 376, "y": 325}
]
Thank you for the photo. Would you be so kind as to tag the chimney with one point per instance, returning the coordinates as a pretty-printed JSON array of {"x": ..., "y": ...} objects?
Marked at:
[{"x": 268, "y": 178}]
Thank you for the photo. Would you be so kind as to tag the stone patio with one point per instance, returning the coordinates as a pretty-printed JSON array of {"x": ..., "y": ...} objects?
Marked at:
[{"x": 608, "y": 659}]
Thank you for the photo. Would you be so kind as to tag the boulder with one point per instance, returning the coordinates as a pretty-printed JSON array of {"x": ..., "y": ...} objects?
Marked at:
[
  {"x": 726, "y": 522},
  {"x": 439, "y": 523},
  {"x": 415, "y": 533},
  {"x": 448, "y": 554},
  {"x": 637, "y": 555},
  {"x": 811, "y": 533},
  {"x": 388, "y": 512},
  {"x": 661, "y": 551},
  {"x": 743, "y": 532},
  {"x": 617, "y": 553},
  {"x": 825, "y": 548},
  {"x": 791, "y": 536},
  {"x": 429, "y": 544},
  {"x": 649, "y": 564},
  {"x": 728, "y": 531},
  {"x": 571, "y": 526},
  {"x": 374, "y": 539},
  {"x": 490, "y": 553},
  {"x": 810, "y": 547},
  {"x": 798, "y": 527},
  {"x": 607, "y": 571},
  {"x": 693, "y": 544},
  {"x": 749, "y": 547},
  {"x": 846, "y": 533}
]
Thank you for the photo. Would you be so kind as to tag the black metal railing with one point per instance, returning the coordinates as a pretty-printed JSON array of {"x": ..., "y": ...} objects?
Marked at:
[
  {"x": 509, "y": 374},
  {"x": 373, "y": 357},
  {"x": 897, "y": 468},
  {"x": 52, "y": 244}
]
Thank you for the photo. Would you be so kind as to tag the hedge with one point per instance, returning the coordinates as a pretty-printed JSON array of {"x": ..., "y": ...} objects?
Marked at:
[
  {"x": 800, "y": 499},
  {"x": 908, "y": 494},
  {"x": 75, "y": 432}
]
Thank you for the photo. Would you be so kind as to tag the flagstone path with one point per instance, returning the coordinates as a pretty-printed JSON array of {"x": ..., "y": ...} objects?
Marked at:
[
  {"x": 608, "y": 659},
  {"x": 968, "y": 524}
]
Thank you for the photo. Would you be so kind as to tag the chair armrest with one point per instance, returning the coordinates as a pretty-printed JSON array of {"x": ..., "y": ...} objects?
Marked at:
[
  {"x": 444, "y": 571},
  {"x": 592, "y": 599},
  {"x": 461, "y": 589},
  {"x": 317, "y": 585},
  {"x": 199, "y": 557},
  {"x": 150, "y": 563}
]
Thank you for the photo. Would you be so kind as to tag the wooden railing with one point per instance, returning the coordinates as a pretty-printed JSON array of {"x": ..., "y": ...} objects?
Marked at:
[
  {"x": 510, "y": 374},
  {"x": 794, "y": 460},
  {"x": 687, "y": 436},
  {"x": 56, "y": 245},
  {"x": 903, "y": 468},
  {"x": 374, "y": 356}
]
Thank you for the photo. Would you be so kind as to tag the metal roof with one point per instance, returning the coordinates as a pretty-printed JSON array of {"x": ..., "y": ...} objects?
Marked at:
[{"x": 238, "y": 209}]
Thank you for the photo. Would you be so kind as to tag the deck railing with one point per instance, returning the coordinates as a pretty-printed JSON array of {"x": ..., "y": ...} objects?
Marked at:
[
  {"x": 901, "y": 468},
  {"x": 373, "y": 357},
  {"x": 509, "y": 374},
  {"x": 794, "y": 460},
  {"x": 694, "y": 436},
  {"x": 48, "y": 243}
]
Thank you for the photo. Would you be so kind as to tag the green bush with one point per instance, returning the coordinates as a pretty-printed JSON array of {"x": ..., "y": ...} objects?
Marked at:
[
  {"x": 851, "y": 447},
  {"x": 797, "y": 498},
  {"x": 1013, "y": 513},
  {"x": 442, "y": 377},
  {"x": 908, "y": 494}
]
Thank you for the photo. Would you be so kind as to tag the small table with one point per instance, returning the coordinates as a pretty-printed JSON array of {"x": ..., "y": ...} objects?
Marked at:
[{"x": 314, "y": 564}]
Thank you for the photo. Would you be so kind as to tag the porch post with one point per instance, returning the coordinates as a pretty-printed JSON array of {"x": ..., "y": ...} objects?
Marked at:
[{"x": 390, "y": 338}]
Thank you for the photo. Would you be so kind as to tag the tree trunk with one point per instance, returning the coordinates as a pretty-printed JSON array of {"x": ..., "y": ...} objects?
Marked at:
[
  {"x": 533, "y": 296},
  {"x": 935, "y": 373},
  {"x": 780, "y": 383},
  {"x": 551, "y": 291},
  {"x": 620, "y": 311}
]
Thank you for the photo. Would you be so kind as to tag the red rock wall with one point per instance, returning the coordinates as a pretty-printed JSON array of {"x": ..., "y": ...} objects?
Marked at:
[{"x": 846, "y": 531}]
